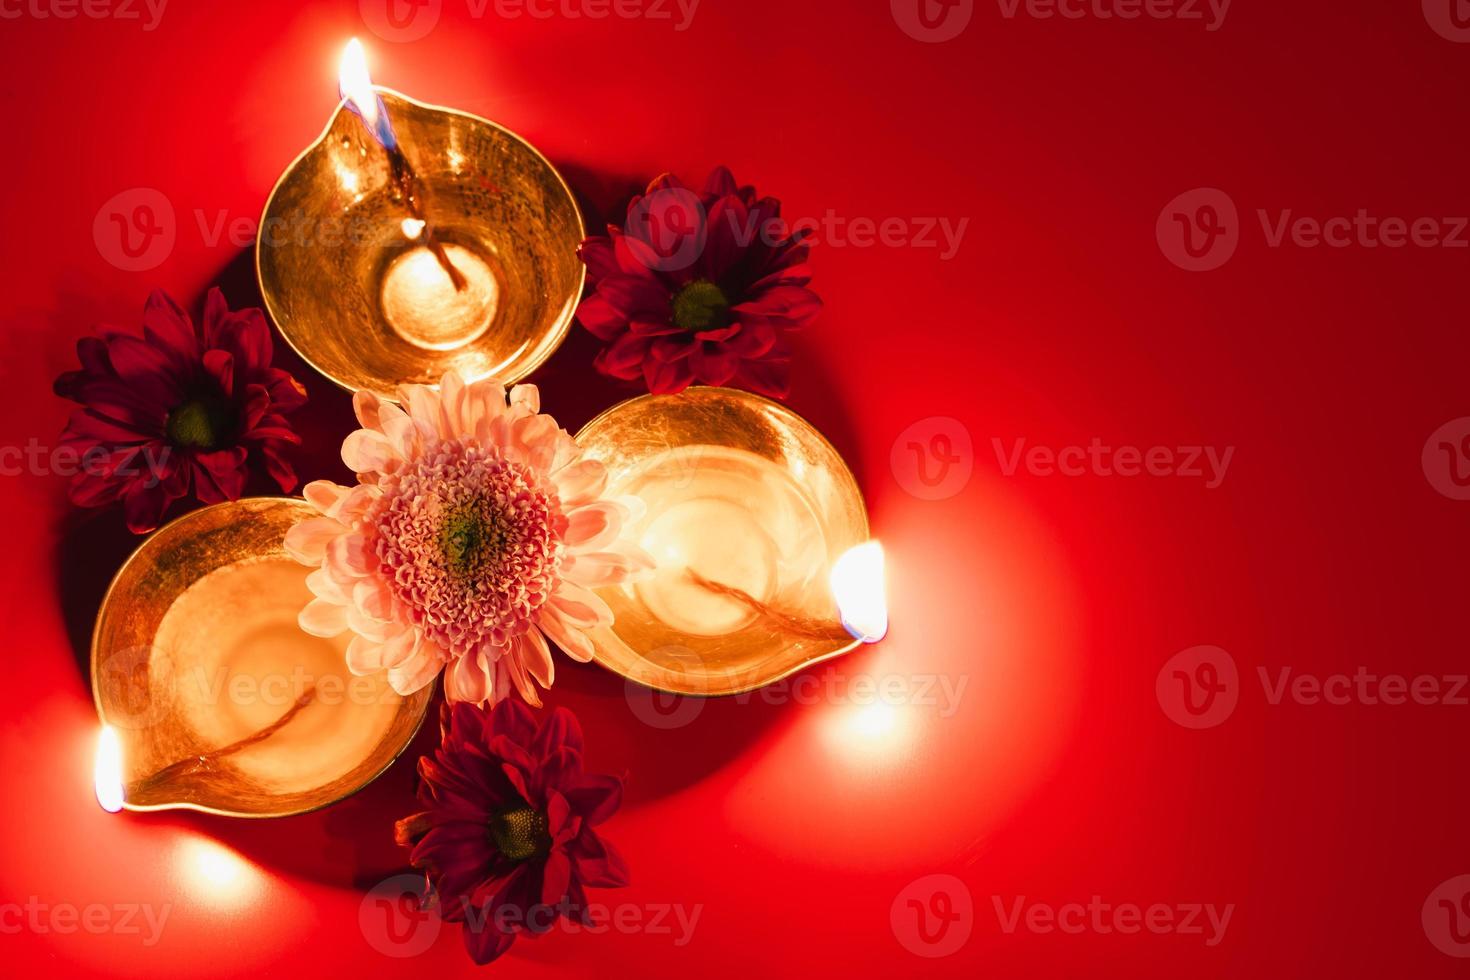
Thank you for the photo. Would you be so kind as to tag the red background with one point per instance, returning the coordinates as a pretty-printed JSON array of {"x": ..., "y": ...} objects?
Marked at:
[{"x": 795, "y": 826}]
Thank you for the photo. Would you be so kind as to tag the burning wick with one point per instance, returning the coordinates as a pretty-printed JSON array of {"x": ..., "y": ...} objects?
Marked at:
[
  {"x": 857, "y": 585},
  {"x": 356, "y": 87},
  {"x": 109, "y": 777}
]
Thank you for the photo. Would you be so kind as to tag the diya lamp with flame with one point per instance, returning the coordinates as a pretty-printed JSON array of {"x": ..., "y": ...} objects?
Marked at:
[
  {"x": 761, "y": 538},
  {"x": 412, "y": 239},
  {"x": 210, "y": 695}
]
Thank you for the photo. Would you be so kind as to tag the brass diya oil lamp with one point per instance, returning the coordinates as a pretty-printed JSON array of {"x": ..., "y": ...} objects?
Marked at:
[
  {"x": 412, "y": 239},
  {"x": 760, "y": 535},
  {"x": 211, "y": 696}
]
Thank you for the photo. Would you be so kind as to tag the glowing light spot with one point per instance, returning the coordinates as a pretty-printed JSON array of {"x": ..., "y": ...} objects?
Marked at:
[
  {"x": 858, "y": 586},
  {"x": 107, "y": 772}
]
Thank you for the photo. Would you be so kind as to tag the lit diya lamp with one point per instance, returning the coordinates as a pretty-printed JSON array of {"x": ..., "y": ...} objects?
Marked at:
[
  {"x": 210, "y": 695},
  {"x": 411, "y": 239},
  {"x": 761, "y": 539}
]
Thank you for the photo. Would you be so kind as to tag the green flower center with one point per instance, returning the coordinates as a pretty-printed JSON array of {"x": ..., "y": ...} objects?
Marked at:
[
  {"x": 201, "y": 423},
  {"x": 519, "y": 832},
  {"x": 468, "y": 540},
  {"x": 701, "y": 305}
]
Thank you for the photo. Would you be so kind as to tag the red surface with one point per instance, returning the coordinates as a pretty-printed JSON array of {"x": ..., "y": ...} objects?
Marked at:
[{"x": 1057, "y": 599}]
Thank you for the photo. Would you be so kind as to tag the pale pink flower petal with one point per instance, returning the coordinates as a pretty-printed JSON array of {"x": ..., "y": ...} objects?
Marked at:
[
  {"x": 323, "y": 618},
  {"x": 307, "y": 542},
  {"x": 580, "y": 483},
  {"x": 573, "y": 642},
  {"x": 368, "y": 450},
  {"x": 581, "y": 608}
]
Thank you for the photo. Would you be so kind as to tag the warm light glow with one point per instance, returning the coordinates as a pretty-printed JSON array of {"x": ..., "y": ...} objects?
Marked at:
[
  {"x": 356, "y": 85},
  {"x": 858, "y": 587},
  {"x": 215, "y": 873},
  {"x": 107, "y": 773},
  {"x": 412, "y": 227}
]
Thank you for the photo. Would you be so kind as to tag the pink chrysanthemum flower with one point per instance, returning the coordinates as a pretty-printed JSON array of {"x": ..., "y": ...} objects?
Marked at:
[{"x": 476, "y": 532}]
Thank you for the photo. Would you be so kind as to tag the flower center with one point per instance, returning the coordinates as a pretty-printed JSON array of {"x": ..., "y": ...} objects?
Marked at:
[
  {"x": 701, "y": 305},
  {"x": 519, "y": 832},
  {"x": 468, "y": 540},
  {"x": 469, "y": 543},
  {"x": 201, "y": 423}
]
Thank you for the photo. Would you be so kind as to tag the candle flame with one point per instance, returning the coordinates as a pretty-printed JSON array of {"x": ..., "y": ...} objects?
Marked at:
[
  {"x": 858, "y": 586},
  {"x": 107, "y": 773},
  {"x": 355, "y": 85}
]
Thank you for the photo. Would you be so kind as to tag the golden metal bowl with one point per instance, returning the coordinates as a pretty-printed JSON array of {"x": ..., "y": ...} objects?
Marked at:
[
  {"x": 748, "y": 494},
  {"x": 196, "y": 648},
  {"x": 369, "y": 306}
]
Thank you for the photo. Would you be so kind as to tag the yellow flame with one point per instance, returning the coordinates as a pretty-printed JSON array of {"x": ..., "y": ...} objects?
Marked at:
[
  {"x": 356, "y": 85},
  {"x": 107, "y": 772},
  {"x": 859, "y": 588}
]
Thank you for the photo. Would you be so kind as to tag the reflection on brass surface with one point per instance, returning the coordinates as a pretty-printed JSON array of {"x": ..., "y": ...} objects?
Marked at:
[
  {"x": 342, "y": 272},
  {"x": 744, "y": 492},
  {"x": 196, "y": 648}
]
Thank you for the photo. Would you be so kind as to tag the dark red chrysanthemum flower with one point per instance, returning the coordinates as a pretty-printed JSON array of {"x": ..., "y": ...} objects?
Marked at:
[
  {"x": 177, "y": 410},
  {"x": 699, "y": 288},
  {"x": 507, "y": 837}
]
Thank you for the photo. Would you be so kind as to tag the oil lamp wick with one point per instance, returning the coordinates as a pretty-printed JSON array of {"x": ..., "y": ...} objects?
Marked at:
[
  {"x": 205, "y": 761},
  {"x": 356, "y": 87},
  {"x": 811, "y": 629}
]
